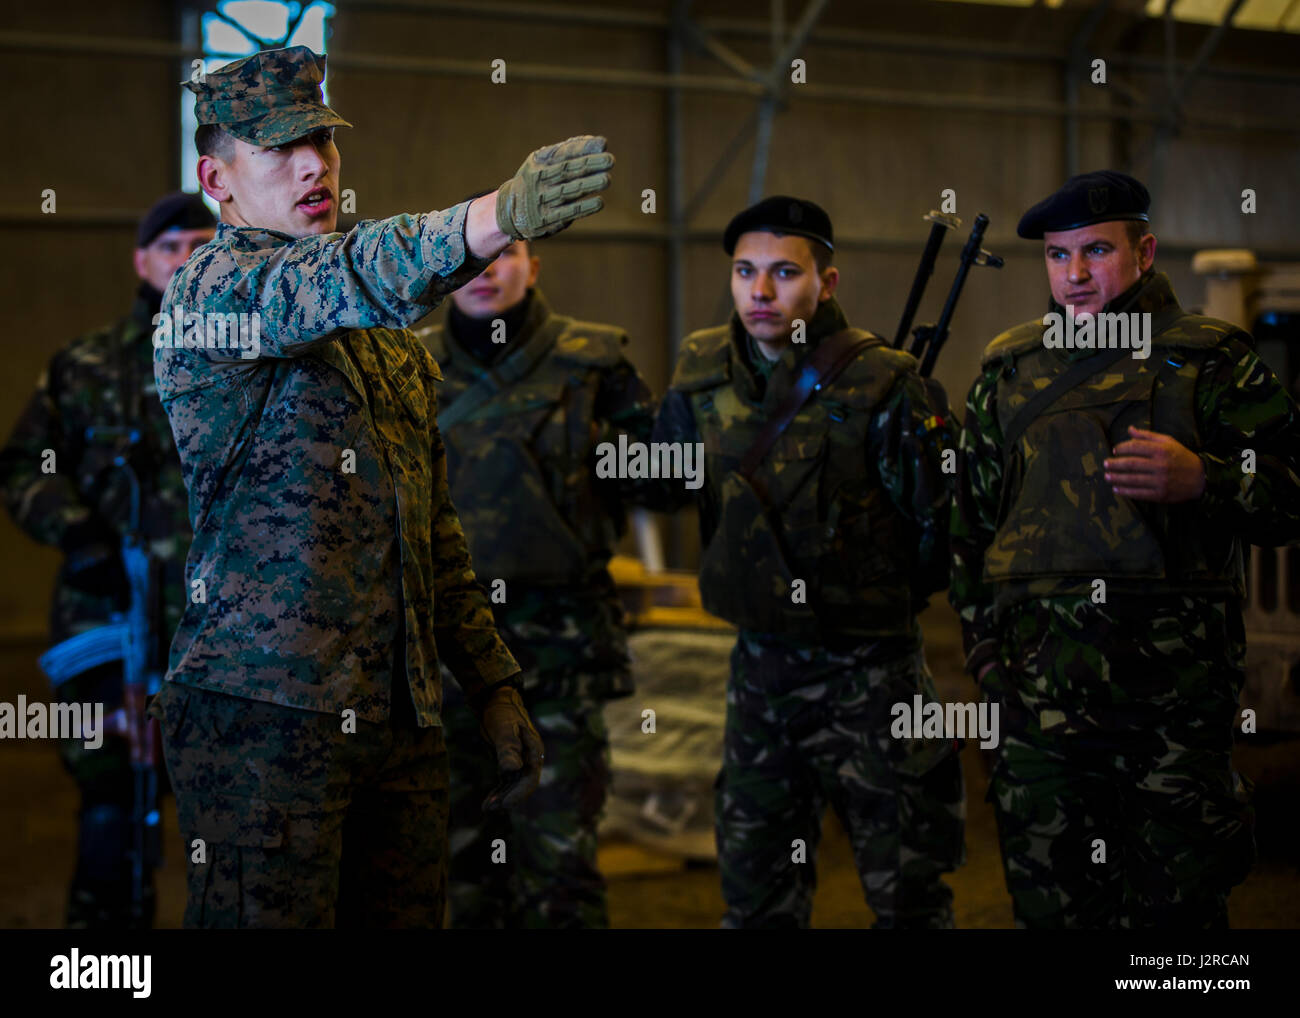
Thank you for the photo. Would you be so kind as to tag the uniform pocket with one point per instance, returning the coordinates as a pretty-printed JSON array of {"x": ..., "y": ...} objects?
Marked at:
[
  {"x": 1065, "y": 519},
  {"x": 230, "y": 820},
  {"x": 406, "y": 381},
  {"x": 514, "y": 528},
  {"x": 745, "y": 577},
  {"x": 244, "y": 877}
]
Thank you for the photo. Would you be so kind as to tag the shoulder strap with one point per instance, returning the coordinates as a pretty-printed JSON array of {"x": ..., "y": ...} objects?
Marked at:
[
  {"x": 1061, "y": 384},
  {"x": 518, "y": 365},
  {"x": 819, "y": 368}
]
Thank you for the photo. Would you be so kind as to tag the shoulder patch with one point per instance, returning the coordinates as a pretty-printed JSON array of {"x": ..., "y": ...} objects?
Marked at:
[{"x": 704, "y": 361}]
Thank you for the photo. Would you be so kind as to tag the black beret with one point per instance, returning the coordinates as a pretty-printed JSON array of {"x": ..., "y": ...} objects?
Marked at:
[
  {"x": 1088, "y": 198},
  {"x": 781, "y": 214},
  {"x": 179, "y": 211}
]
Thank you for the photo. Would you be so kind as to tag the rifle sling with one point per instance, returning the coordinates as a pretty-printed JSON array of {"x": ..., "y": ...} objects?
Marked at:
[
  {"x": 1078, "y": 373},
  {"x": 832, "y": 355},
  {"x": 518, "y": 365}
]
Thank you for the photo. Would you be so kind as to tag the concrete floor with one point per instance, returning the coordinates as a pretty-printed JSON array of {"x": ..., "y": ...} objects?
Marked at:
[{"x": 38, "y": 802}]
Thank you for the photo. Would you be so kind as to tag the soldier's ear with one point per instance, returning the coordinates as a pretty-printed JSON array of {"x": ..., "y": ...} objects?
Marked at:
[
  {"x": 1146, "y": 251},
  {"x": 213, "y": 178},
  {"x": 534, "y": 266},
  {"x": 830, "y": 280},
  {"x": 138, "y": 260}
]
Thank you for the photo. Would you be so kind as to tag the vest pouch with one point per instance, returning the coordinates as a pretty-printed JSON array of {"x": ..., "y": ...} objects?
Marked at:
[
  {"x": 1064, "y": 519},
  {"x": 514, "y": 529},
  {"x": 745, "y": 576},
  {"x": 861, "y": 587}
]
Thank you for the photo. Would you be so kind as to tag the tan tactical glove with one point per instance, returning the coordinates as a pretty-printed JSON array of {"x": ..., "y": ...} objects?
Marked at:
[
  {"x": 550, "y": 189},
  {"x": 505, "y": 723}
]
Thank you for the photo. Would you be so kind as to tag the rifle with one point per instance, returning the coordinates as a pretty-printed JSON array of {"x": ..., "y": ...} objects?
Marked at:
[
  {"x": 133, "y": 640},
  {"x": 928, "y": 340},
  {"x": 942, "y": 224}
]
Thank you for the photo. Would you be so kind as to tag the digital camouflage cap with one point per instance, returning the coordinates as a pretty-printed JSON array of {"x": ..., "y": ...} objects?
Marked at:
[{"x": 267, "y": 99}]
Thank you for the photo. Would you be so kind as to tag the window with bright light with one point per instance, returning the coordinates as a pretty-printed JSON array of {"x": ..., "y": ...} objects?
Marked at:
[{"x": 237, "y": 29}]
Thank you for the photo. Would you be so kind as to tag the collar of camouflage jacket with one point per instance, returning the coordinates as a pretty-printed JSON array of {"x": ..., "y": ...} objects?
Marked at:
[
  {"x": 539, "y": 310},
  {"x": 769, "y": 387},
  {"x": 1152, "y": 293}
]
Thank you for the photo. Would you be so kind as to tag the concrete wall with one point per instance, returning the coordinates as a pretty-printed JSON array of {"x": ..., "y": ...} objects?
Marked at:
[{"x": 102, "y": 130}]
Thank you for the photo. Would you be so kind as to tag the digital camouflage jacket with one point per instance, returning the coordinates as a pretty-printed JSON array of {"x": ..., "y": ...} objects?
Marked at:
[{"x": 324, "y": 534}]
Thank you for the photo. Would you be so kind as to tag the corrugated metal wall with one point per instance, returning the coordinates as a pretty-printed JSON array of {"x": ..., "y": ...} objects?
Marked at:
[{"x": 101, "y": 128}]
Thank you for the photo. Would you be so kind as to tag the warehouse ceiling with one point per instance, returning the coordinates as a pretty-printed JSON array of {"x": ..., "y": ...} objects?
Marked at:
[{"x": 1262, "y": 15}]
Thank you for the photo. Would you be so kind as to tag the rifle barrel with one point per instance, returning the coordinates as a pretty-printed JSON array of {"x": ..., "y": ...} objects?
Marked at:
[
  {"x": 941, "y": 225},
  {"x": 969, "y": 255}
]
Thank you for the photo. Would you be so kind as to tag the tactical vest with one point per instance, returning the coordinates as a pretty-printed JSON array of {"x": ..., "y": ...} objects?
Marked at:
[
  {"x": 1060, "y": 525},
  {"x": 827, "y": 519},
  {"x": 519, "y": 463}
]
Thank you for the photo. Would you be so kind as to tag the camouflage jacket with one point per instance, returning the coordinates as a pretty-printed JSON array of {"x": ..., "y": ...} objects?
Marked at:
[
  {"x": 521, "y": 440},
  {"x": 1038, "y": 524},
  {"x": 324, "y": 535},
  {"x": 856, "y": 503},
  {"x": 102, "y": 379}
]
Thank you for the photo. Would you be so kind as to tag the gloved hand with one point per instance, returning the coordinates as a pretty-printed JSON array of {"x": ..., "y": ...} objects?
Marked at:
[
  {"x": 505, "y": 723},
  {"x": 549, "y": 191}
]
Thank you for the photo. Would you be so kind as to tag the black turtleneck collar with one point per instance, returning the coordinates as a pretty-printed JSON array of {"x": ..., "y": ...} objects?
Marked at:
[{"x": 474, "y": 335}]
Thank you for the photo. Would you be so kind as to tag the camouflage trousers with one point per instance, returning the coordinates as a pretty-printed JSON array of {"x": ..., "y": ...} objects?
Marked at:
[
  {"x": 548, "y": 877},
  {"x": 303, "y": 825},
  {"x": 808, "y": 727},
  {"x": 1116, "y": 800}
]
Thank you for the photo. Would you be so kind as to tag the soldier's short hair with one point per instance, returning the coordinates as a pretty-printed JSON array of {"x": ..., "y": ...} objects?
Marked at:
[
  {"x": 1136, "y": 230},
  {"x": 211, "y": 140},
  {"x": 821, "y": 253}
]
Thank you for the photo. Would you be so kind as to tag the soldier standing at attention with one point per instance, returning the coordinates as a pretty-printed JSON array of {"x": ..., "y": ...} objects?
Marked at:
[
  {"x": 823, "y": 522},
  {"x": 527, "y": 395},
  {"x": 105, "y": 380},
  {"x": 329, "y": 571},
  {"x": 1097, "y": 533}
]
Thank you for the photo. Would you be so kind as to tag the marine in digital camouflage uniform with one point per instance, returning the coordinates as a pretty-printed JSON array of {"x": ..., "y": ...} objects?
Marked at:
[
  {"x": 851, "y": 501},
  {"x": 104, "y": 379},
  {"x": 521, "y": 418},
  {"x": 331, "y": 575},
  {"x": 1118, "y": 703}
]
